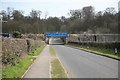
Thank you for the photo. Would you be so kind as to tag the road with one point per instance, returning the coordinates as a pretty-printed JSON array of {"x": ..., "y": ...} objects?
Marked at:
[
  {"x": 55, "y": 41},
  {"x": 81, "y": 64}
]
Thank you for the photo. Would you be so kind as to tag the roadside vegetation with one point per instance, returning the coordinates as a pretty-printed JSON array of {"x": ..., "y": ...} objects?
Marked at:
[
  {"x": 18, "y": 70},
  {"x": 38, "y": 50},
  {"x": 21, "y": 66},
  {"x": 101, "y": 51},
  {"x": 57, "y": 71},
  {"x": 86, "y": 19}
]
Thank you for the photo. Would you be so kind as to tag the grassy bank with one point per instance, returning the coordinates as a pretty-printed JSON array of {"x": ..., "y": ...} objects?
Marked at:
[
  {"x": 101, "y": 51},
  {"x": 107, "y": 52},
  {"x": 57, "y": 69},
  {"x": 19, "y": 69}
]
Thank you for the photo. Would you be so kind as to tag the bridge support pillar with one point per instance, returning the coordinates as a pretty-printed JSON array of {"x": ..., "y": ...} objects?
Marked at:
[
  {"x": 47, "y": 40},
  {"x": 66, "y": 40}
]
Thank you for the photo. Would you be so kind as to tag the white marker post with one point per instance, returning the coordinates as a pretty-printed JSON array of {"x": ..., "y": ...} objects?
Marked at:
[{"x": 115, "y": 50}]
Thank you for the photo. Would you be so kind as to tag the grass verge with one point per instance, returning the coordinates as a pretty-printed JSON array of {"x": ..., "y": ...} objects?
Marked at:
[
  {"x": 106, "y": 52},
  {"x": 101, "y": 51},
  {"x": 57, "y": 69},
  {"x": 19, "y": 69},
  {"x": 38, "y": 50}
]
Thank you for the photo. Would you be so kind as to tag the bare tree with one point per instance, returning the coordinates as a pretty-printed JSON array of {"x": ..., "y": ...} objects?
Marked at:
[{"x": 9, "y": 12}]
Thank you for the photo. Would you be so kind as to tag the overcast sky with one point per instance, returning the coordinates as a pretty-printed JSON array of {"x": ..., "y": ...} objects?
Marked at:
[{"x": 57, "y": 7}]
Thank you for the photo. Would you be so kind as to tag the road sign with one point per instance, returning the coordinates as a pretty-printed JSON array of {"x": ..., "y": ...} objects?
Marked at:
[{"x": 64, "y": 34}]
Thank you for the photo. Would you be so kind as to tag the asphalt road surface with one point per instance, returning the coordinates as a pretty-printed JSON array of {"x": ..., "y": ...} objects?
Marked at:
[{"x": 81, "y": 64}]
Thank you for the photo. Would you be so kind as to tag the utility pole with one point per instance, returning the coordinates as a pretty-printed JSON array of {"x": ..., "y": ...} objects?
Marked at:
[
  {"x": 1, "y": 46},
  {"x": 1, "y": 24}
]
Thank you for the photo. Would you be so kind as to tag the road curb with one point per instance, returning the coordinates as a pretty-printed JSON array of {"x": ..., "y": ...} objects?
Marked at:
[
  {"x": 95, "y": 53},
  {"x": 49, "y": 64},
  {"x": 63, "y": 67},
  {"x": 28, "y": 69},
  {"x": 50, "y": 70},
  {"x": 101, "y": 55}
]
